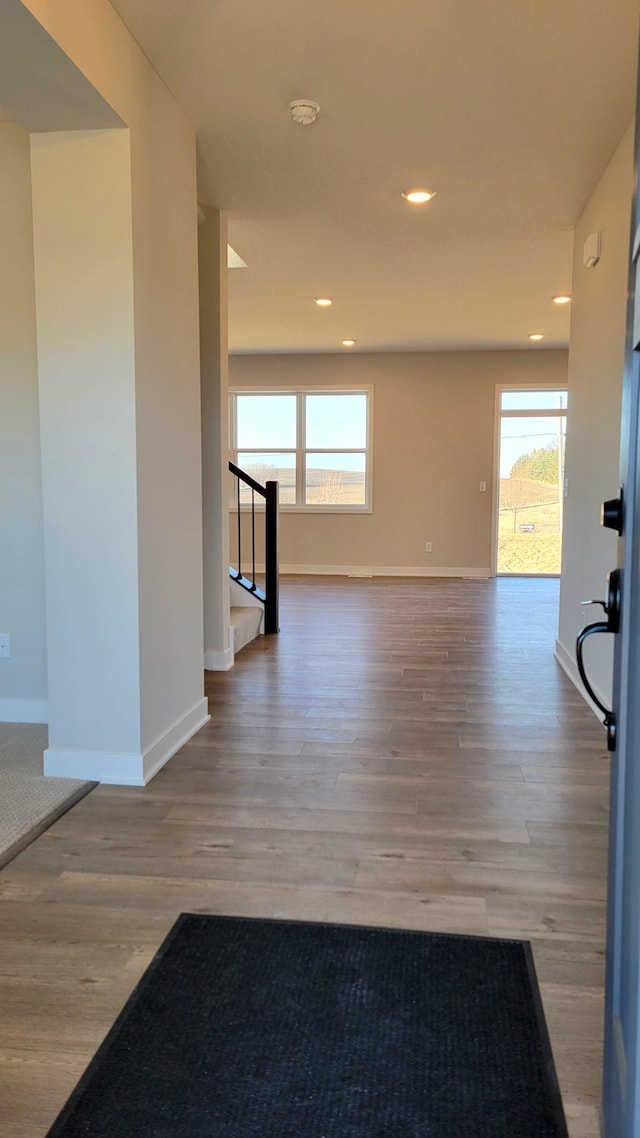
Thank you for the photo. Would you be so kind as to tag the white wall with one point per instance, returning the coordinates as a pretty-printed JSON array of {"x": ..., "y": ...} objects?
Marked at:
[
  {"x": 212, "y": 243},
  {"x": 84, "y": 289},
  {"x": 159, "y": 420},
  {"x": 596, "y": 365},
  {"x": 23, "y": 678}
]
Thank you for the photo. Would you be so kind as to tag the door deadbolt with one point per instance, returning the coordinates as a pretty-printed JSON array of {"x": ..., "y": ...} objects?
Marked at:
[{"x": 612, "y": 513}]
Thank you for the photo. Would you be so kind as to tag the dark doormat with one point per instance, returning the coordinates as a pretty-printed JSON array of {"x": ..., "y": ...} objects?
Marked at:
[{"x": 274, "y": 1029}]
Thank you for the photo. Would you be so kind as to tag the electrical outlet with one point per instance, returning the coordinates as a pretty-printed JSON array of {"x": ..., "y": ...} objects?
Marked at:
[
  {"x": 5, "y": 645},
  {"x": 428, "y": 547}
]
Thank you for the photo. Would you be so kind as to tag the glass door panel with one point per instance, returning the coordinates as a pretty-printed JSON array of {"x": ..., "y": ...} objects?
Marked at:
[{"x": 531, "y": 494}]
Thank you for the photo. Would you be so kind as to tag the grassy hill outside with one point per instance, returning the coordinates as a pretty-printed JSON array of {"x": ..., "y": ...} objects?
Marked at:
[
  {"x": 324, "y": 487},
  {"x": 527, "y": 502}
]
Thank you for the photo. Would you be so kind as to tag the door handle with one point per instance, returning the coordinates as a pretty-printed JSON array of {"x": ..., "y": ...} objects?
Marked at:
[
  {"x": 612, "y": 604},
  {"x": 612, "y": 624}
]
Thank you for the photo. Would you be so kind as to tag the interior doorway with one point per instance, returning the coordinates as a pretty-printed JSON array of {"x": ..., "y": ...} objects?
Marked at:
[{"x": 530, "y": 438}]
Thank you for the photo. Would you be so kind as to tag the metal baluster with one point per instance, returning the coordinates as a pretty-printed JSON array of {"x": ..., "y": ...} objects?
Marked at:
[
  {"x": 253, "y": 538},
  {"x": 268, "y": 595},
  {"x": 239, "y": 535},
  {"x": 271, "y": 623}
]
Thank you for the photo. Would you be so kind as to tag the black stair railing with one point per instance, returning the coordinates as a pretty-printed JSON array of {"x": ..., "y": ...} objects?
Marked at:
[{"x": 268, "y": 595}]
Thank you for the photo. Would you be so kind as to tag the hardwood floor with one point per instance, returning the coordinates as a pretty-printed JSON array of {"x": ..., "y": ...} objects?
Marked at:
[{"x": 406, "y": 753}]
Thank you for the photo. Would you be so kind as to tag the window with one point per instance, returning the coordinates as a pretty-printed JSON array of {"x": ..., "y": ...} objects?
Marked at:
[{"x": 316, "y": 444}]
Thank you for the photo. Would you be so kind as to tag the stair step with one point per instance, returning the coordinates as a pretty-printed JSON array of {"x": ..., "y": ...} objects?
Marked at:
[{"x": 245, "y": 625}]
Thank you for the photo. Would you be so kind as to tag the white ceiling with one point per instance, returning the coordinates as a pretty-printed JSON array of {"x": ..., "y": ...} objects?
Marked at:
[{"x": 509, "y": 109}]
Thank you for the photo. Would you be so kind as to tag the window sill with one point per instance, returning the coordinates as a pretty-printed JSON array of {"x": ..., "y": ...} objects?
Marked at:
[{"x": 259, "y": 509}]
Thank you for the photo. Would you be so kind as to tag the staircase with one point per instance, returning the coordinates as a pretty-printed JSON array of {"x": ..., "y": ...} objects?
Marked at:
[
  {"x": 254, "y": 609},
  {"x": 246, "y": 625},
  {"x": 247, "y": 616}
]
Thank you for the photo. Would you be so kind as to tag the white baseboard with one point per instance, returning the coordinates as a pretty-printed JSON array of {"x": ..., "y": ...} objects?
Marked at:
[
  {"x": 171, "y": 740},
  {"x": 24, "y": 711},
  {"x": 384, "y": 571},
  {"x": 95, "y": 766},
  {"x": 570, "y": 668},
  {"x": 120, "y": 769},
  {"x": 218, "y": 661}
]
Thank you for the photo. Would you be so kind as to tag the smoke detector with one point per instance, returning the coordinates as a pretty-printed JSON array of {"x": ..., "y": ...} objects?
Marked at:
[{"x": 304, "y": 111}]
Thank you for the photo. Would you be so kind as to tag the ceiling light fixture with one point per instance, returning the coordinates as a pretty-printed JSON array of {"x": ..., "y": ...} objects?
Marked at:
[
  {"x": 348, "y": 343},
  {"x": 418, "y": 197},
  {"x": 536, "y": 335},
  {"x": 322, "y": 301},
  {"x": 304, "y": 111},
  {"x": 561, "y": 299}
]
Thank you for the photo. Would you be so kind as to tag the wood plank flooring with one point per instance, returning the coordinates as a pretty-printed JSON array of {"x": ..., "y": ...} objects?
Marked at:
[{"x": 405, "y": 753}]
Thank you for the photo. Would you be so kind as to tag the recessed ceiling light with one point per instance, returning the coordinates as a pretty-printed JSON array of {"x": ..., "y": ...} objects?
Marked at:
[
  {"x": 322, "y": 301},
  {"x": 561, "y": 299},
  {"x": 418, "y": 197},
  {"x": 348, "y": 343},
  {"x": 536, "y": 335}
]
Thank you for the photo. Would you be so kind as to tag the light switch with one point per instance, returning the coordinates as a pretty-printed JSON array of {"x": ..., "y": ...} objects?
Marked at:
[
  {"x": 483, "y": 487},
  {"x": 5, "y": 645}
]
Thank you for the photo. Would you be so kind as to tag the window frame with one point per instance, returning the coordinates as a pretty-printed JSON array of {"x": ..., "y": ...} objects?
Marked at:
[{"x": 300, "y": 450}]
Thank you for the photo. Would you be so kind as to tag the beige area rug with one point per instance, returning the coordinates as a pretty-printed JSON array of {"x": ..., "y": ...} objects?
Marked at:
[{"x": 29, "y": 802}]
